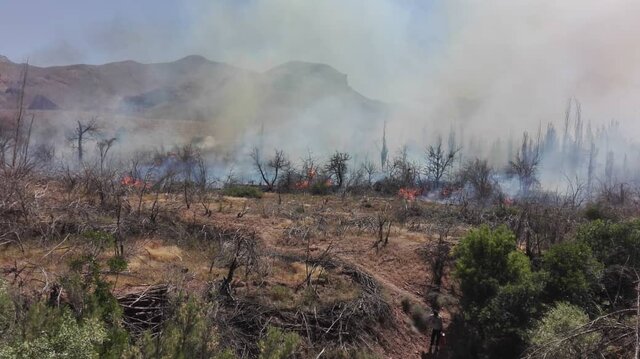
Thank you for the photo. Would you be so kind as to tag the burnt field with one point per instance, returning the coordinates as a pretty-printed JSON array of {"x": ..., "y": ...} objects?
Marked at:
[{"x": 169, "y": 265}]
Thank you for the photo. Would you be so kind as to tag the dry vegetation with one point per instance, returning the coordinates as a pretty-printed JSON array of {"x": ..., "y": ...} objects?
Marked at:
[{"x": 147, "y": 258}]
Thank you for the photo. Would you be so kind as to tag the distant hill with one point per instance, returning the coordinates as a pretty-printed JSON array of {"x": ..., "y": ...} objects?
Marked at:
[{"x": 194, "y": 89}]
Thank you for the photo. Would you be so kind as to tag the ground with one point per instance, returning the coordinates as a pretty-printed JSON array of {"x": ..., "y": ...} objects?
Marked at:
[{"x": 346, "y": 225}]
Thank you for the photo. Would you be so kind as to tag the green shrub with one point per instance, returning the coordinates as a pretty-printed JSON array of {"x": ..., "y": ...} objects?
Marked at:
[
  {"x": 596, "y": 211},
  {"x": 486, "y": 260},
  {"x": 616, "y": 246},
  {"x": 500, "y": 293},
  {"x": 69, "y": 339},
  {"x": 281, "y": 293},
  {"x": 572, "y": 273},
  {"x": 242, "y": 191},
  {"x": 278, "y": 344},
  {"x": 560, "y": 322},
  {"x": 117, "y": 264}
]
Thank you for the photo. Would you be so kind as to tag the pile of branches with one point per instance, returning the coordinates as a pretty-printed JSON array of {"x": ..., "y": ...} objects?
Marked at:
[
  {"x": 345, "y": 323},
  {"x": 145, "y": 311},
  {"x": 613, "y": 335}
]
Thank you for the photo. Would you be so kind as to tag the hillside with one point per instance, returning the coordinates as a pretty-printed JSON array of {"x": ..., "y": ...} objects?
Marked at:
[{"x": 193, "y": 89}]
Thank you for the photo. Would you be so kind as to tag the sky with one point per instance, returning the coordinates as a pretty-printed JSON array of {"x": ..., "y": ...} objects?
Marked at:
[
  {"x": 499, "y": 64},
  {"x": 71, "y": 31},
  {"x": 253, "y": 34}
]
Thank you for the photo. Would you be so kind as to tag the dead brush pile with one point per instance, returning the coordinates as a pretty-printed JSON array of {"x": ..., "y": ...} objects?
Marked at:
[{"x": 342, "y": 323}]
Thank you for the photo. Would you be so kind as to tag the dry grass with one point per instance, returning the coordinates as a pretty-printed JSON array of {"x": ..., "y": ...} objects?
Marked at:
[{"x": 161, "y": 256}]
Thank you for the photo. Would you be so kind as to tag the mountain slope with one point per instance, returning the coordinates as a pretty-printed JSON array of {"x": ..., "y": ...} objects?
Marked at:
[{"x": 297, "y": 104}]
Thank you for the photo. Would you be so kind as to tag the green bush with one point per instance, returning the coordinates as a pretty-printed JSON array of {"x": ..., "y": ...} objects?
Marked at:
[
  {"x": 559, "y": 322},
  {"x": 499, "y": 292},
  {"x": 281, "y": 294},
  {"x": 68, "y": 339},
  {"x": 572, "y": 273},
  {"x": 596, "y": 211},
  {"x": 242, "y": 191},
  {"x": 278, "y": 344},
  {"x": 617, "y": 247},
  {"x": 7, "y": 310},
  {"x": 486, "y": 260},
  {"x": 117, "y": 264},
  {"x": 613, "y": 243}
]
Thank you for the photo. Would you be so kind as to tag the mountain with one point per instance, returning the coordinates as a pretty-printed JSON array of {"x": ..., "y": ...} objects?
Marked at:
[{"x": 192, "y": 88}]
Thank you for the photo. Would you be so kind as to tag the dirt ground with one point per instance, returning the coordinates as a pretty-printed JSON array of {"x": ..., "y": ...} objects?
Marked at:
[{"x": 346, "y": 225}]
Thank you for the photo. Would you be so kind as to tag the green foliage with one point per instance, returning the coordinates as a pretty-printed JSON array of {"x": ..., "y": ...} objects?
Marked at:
[
  {"x": 7, "y": 310},
  {"x": 613, "y": 243},
  {"x": 281, "y": 294},
  {"x": 572, "y": 273},
  {"x": 68, "y": 339},
  {"x": 617, "y": 247},
  {"x": 499, "y": 292},
  {"x": 188, "y": 333},
  {"x": 597, "y": 211},
  {"x": 278, "y": 344},
  {"x": 99, "y": 239},
  {"x": 559, "y": 323},
  {"x": 117, "y": 264},
  {"x": 505, "y": 319},
  {"x": 242, "y": 191},
  {"x": 486, "y": 260}
]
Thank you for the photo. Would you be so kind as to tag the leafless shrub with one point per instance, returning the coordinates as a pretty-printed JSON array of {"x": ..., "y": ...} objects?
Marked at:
[
  {"x": 270, "y": 170},
  {"x": 479, "y": 176},
  {"x": 236, "y": 249},
  {"x": 81, "y": 133},
  {"x": 439, "y": 161},
  {"x": 337, "y": 167},
  {"x": 525, "y": 164},
  {"x": 383, "y": 229}
]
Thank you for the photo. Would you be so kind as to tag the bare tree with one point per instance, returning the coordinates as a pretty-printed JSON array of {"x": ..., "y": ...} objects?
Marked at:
[
  {"x": 5, "y": 142},
  {"x": 370, "y": 170},
  {"x": 269, "y": 172},
  {"x": 479, "y": 175},
  {"x": 81, "y": 133},
  {"x": 525, "y": 164},
  {"x": 103, "y": 147},
  {"x": 403, "y": 171},
  {"x": 439, "y": 161},
  {"x": 593, "y": 153},
  {"x": 337, "y": 167},
  {"x": 236, "y": 250},
  {"x": 383, "y": 228},
  {"x": 189, "y": 157}
]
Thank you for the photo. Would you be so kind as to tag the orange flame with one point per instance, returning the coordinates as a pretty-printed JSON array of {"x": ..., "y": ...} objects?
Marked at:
[
  {"x": 129, "y": 181},
  {"x": 302, "y": 184},
  {"x": 409, "y": 194}
]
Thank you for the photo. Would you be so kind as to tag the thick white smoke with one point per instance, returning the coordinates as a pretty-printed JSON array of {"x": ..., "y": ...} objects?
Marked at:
[{"x": 483, "y": 68}]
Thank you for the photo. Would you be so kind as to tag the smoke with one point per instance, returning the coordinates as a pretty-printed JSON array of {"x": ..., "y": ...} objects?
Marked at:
[
  {"x": 482, "y": 69},
  {"x": 494, "y": 68}
]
